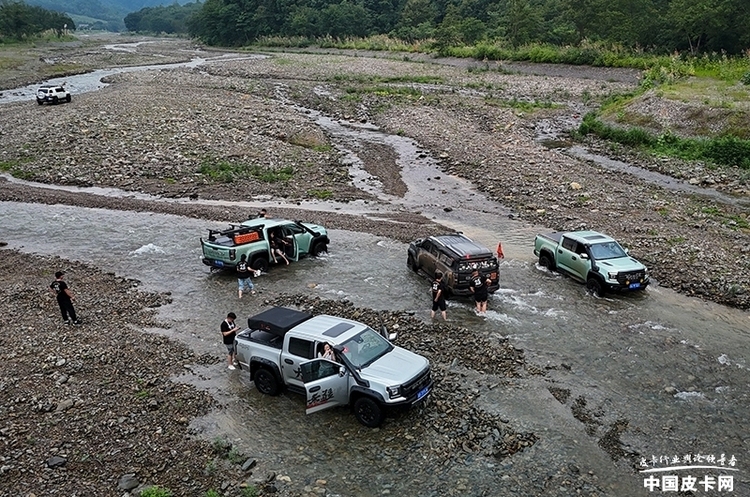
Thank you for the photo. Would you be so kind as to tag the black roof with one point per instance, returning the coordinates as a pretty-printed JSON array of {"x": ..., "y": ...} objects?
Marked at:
[
  {"x": 461, "y": 246},
  {"x": 277, "y": 320}
]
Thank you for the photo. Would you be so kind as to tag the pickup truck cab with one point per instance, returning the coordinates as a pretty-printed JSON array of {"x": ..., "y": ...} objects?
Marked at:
[
  {"x": 591, "y": 258},
  {"x": 281, "y": 348},
  {"x": 223, "y": 248}
]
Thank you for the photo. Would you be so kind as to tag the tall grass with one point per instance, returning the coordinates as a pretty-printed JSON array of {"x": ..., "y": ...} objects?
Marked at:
[{"x": 659, "y": 68}]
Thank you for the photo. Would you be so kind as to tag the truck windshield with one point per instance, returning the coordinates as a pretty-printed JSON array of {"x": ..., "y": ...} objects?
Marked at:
[
  {"x": 365, "y": 348},
  {"x": 608, "y": 250}
]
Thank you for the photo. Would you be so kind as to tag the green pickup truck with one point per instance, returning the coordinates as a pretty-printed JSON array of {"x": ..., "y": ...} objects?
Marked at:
[
  {"x": 591, "y": 258},
  {"x": 223, "y": 248}
]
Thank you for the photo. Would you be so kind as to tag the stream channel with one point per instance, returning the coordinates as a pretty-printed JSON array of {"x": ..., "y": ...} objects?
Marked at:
[{"x": 674, "y": 368}]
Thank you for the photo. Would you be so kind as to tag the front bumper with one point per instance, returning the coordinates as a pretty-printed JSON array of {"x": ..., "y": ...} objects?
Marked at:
[
  {"x": 635, "y": 286},
  {"x": 415, "y": 398}
]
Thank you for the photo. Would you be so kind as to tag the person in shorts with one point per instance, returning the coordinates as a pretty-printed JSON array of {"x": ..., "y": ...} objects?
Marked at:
[
  {"x": 438, "y": 296},
  {"x": 243, "y": 276},
  {"x": 480, "y": 288},
  {"x": 228, "y": 331}
]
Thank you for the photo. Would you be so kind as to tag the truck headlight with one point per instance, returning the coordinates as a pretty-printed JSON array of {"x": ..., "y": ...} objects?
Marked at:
[
  {"x": 394, "y": 392},
  {"x": 612, "y": 276}
]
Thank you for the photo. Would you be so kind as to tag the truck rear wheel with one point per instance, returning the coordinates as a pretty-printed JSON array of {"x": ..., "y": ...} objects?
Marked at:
[
  {"x": 266, "y": 382},
  {"x": 369, "y": 412},
  {"x": 545, "y": 260},
  {"x": 260, "y": 263}
]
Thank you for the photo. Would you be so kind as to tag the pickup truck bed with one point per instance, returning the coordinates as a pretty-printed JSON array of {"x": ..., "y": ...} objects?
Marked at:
[
  {"x": 262, "y": 337},
  {"x": 555, "y": 236}
]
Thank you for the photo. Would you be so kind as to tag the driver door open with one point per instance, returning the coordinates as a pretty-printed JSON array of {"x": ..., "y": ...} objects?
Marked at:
[{"x": 325, "y": 386}]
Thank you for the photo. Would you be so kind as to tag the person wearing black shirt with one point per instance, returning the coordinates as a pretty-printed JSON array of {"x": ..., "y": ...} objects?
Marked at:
[
  {"x": 243, "y": 276},
  {"x": 480, "y": 288},
  {"x": 438, "y": 296},
  {"x": 228, "y": 331},
  {"x": 64, "y": 299}
]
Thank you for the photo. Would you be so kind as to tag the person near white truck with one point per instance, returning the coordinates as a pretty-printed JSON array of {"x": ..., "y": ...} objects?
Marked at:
[{"x": 280, "y": 348}]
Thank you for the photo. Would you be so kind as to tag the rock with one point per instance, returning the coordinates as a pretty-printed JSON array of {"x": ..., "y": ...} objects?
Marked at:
[
  {"x": 56, "y": 462},
  {"x": 128, "y": 482},
  {"x": 249, "y": 464},
  {"x": 65, "y": 405}
]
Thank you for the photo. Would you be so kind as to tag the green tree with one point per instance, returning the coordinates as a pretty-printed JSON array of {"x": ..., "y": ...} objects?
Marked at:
[
  {"x": 693, "y": 19},
  {"x": 520, "y": 21},
  {"x": 584, "y": 15},
  {"x": 19, "y": 21},
  {"x": 346, "y": 19}
]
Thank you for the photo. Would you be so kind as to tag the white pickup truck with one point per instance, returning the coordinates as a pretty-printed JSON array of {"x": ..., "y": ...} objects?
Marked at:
[{"x": 283, "y": 347}]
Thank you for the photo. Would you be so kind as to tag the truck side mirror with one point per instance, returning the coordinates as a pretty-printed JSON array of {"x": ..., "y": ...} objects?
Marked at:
[
  {"x": 384, "y": 333},
  {"x": 342, "y": 371},
  {"x": 584, "y": 256}
]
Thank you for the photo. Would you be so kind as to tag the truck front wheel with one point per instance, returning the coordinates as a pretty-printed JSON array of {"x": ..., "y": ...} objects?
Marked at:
[
  {"x": 411, "y": 263},
  {"x": 594, "y": 286},
  {"x": 318, "y": 248},
  {"x": 265, "y": 382},
  {"x": 369, "y": 412}
]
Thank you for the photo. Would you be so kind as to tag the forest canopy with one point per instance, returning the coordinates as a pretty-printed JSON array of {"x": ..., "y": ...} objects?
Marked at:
[
  {"x": 168, "y": 19},
  {"x": 661, "y": 26},
  {"x": 19, "y": 21}
]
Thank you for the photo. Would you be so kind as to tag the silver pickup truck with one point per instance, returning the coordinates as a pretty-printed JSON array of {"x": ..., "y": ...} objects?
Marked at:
[
  {"x": 283, "y": 347},
  {"x": 591, "y": 258}
]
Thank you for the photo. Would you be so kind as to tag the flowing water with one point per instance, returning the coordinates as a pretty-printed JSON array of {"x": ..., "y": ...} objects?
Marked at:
[{"x": 675, "y": 368}]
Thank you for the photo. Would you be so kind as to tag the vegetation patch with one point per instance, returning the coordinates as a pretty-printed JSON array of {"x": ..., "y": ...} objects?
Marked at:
[
  {"x": 354, "y": 93},
  {"x": 270, "y": 175},
  {"x": 524, "y": 105},
  {"x": 320, "y": 194},
  {"x": 310, "y": 141},
  {"x": 156, "y": 492},
  {"x": 222, "y": 171},
  {"x": 8, "y": 63},
  {"x": 365, "y": 79},
  {"x": 15, "y": 168},
  {"x": 724, "y": 150}
]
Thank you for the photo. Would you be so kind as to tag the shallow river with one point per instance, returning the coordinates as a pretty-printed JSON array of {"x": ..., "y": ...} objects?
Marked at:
[
  {"x": 620, "y": 353},
  {"x": 675, "y": 368}
]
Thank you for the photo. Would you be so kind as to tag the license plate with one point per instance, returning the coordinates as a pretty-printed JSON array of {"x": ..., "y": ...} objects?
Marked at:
[
  {"x": 635, "y": 285},
  {"x": 218, "y": 264},
  {"x": 423, "y": 392}
]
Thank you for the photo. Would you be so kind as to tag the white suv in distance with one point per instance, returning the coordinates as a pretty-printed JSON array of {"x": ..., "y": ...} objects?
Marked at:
[{"x": 52, "y": 95}]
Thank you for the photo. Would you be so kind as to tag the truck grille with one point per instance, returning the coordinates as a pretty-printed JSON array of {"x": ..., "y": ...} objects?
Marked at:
[
  {"x": 414, "y": 386},
  {"x": 630, "y": 277}
]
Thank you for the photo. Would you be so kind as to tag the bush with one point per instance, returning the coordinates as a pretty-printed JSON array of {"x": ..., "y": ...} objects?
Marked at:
[
  {"x": 729, "y": 151},
  {"x": 156, "y": 492}
]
